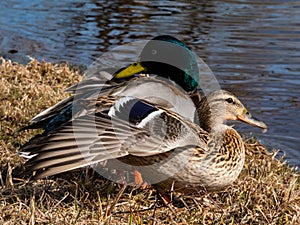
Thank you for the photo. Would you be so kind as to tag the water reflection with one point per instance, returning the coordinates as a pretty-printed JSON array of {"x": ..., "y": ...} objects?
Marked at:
[{"x": 252, "y": 47}]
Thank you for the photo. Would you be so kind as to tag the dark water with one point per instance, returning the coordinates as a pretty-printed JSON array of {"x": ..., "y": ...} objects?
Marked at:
[{"x": 253, "y": 47}]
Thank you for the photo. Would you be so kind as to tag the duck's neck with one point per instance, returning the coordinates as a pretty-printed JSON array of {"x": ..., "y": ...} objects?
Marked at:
[{"x": 209, "y": 115}]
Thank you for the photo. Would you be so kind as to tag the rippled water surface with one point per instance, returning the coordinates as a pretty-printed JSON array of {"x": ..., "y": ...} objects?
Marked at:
[{"x": 253, "y": 47}]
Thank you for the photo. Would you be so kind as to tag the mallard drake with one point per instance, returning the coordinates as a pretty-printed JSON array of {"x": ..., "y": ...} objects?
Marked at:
[{"x": 168, "y": 87}]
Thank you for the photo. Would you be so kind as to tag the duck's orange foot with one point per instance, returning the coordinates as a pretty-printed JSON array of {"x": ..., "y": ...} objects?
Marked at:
[{"x": 138, "y": 180}]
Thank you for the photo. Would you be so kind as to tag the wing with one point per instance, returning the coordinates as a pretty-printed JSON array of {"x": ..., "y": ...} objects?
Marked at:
[
  {"x": 129, "y": 127},
  {"x": 87, "y": 93}
]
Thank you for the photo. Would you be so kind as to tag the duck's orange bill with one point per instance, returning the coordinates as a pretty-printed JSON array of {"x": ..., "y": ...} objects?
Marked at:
[{"x": 252, "y": 121}]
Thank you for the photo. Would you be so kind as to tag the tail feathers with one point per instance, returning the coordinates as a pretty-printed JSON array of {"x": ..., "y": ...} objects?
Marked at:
[
  {"x": 46, "y": 119},
  {"x": 53, "y": 110}
]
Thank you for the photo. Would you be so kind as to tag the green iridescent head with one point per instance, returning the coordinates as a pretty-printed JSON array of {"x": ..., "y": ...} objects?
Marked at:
[{"x": 167, "y": 57}]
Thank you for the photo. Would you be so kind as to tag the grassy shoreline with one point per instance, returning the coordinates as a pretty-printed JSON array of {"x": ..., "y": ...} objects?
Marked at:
[{"x": 267, "y": 191}]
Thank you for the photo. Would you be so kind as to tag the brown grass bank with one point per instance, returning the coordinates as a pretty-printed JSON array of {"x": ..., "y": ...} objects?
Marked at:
[{"x": 267, "y": 191}]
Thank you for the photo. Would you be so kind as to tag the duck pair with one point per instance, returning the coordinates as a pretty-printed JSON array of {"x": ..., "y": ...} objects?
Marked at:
[{"x": 150, "y": 123}]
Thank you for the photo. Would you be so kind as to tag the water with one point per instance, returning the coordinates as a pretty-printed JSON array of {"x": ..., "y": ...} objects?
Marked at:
[{"x": 253, "y": 47}]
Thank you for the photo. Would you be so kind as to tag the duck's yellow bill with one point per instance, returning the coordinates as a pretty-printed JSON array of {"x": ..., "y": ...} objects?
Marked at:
[{"x": 130, "y": 70}]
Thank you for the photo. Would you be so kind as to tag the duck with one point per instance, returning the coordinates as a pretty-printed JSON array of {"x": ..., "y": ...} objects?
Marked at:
[
  {"x": 174, "y": 83},
  {"x": 170, "y": 151},
  {"x": 121, "y": 125},
  {"x": 220, "y": 160}
]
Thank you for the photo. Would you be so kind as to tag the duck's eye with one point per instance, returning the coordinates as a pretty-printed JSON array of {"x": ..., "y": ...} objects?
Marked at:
[
  {"x": 154, "y": 52},
  {"x": 229, "y": 100}
]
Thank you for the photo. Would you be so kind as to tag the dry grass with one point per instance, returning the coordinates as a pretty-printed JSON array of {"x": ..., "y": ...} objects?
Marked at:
[{"x": 267, "y": 191}]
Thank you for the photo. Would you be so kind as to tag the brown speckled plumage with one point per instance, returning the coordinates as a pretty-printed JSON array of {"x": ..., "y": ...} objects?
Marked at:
[{"x": 171, "y": 151}]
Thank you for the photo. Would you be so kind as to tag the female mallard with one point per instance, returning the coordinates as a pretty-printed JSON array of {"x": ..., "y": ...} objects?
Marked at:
[{"x": 169, "y": 150}]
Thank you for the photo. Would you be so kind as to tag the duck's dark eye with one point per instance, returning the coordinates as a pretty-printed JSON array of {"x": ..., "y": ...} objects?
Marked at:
[
  {"x": 229, "y": 100},
  {"x": 154, "y": 51}
]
